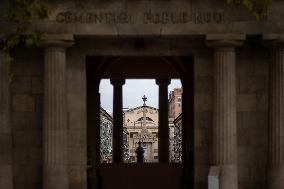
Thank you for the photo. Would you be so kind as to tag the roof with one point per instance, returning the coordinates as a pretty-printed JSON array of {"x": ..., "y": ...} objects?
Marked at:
[
  {"x": 104, "y": 112},
  {"x": 140, "y": 107},
  {"x": 179, "y": 118}
]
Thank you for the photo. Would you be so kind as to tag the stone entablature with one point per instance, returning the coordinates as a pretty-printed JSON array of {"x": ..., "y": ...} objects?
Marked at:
[{"x": 156, "y": 18}]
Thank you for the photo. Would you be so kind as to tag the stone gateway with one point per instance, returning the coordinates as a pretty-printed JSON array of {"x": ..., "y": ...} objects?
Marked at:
[{"x": 231, "y": 66}]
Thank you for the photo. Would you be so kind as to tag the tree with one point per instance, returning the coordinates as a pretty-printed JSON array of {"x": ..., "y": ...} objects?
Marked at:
[
  {"x": 257, "y": 7},
  {"x": 20, "y": 15}
]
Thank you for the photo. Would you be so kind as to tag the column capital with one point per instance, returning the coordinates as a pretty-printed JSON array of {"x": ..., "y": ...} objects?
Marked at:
[
  {"x": 57, "y": 40},
  {"x": 117, "y": 82},
  {"x": 224, "y": 43},
  {"x": 163, "y": 81},
  {"x": 273, "y": 40},
  {"x": 229, "y": 40}
]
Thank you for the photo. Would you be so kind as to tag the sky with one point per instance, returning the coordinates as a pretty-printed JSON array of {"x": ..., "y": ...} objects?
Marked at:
[{"x": 133, "y": 90}]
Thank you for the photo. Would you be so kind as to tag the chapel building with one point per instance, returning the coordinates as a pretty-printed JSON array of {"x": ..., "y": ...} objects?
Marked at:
[{"x": 142, "y": 126}]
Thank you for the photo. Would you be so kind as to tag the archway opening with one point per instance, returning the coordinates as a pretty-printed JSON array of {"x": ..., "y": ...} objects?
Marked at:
[
  {"x": 140, "y": 120},
  {"x": 119, "y": 69}
]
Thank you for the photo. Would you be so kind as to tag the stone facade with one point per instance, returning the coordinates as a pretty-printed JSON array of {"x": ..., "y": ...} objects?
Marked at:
[
  {"x": 252, "y": 116},
  {"x": 252, "y": 61},
  {"x": 133, "y": 122}
]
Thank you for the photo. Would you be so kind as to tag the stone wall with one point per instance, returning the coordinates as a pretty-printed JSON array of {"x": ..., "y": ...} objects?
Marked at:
[
  {"x": 26, "y": 99},
  {"x": 252, "y": 115},
  {"x": 203, "y": 116},
  {"x": 6, "y": 160},
  {"x": 76, "y": 107},
  {"x": 26, "y": 118}
]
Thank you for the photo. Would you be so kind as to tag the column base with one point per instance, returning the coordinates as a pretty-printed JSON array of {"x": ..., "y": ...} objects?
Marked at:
[
  {"x": 276, "y": 178},
  {"x": 229, "y": 177},
  {"x": 55, "y": 177}
]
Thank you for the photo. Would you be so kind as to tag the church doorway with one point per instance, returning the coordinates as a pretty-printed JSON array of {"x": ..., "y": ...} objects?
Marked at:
[{"x": 116, "y": 173}]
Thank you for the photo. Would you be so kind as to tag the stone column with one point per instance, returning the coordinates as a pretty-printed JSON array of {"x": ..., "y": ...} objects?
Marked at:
[
  {"x": 55, "y": 132},
  {"x": 276, "y": 118},
  {"x": 6, "y": 159},
  {"x": 117, "y": 120},
  {"x": 163, "y": 141},
  {"x": 225, "y": 123}
]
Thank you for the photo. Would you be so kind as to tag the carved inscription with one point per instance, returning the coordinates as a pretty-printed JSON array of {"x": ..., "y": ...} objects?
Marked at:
[
  {"x": 94, "y": 17},
  {"x": 207, "y": 17},
  {"x": 166, "y": 18},
  {"x": 147, "y": 17}
]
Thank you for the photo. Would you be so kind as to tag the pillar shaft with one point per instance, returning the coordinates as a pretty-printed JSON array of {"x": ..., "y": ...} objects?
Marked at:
[
  {"x": 276, "y": 118},
  {"x": 225, "y": 123},
  {"x": 6, "y": 170},
  {"x": 117, "y": 120},
  {"x": 55, "y": 138},
  {"x": 163, "y": 134},
  {"x": 225, "y": 139}
]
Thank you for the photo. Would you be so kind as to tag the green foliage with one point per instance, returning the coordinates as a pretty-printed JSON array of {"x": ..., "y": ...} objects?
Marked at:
[
  {"x": 26, "y": 11},
  {"x": 8, "y": 60},
  {"x": 21, "y": 14},
  {"x": 257, "y": 7}
]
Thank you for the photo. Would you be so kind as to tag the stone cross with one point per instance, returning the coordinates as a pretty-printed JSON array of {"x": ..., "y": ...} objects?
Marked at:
[{"x": 144, "y": 98}]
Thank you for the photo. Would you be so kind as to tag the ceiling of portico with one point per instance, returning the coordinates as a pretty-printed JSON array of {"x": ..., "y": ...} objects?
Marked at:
[{"x": 140, "y": 67}]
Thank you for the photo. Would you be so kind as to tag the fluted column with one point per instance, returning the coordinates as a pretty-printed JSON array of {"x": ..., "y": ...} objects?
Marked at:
[
  {"x": 117, "y": 120},
  {"x": 276, "y": 118},
  {"x": 55, "y": 138},
  {"x": 163, "y": 142},
  {"x": 6, "y": 159},
  {"x": 225, "y": 123}
]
